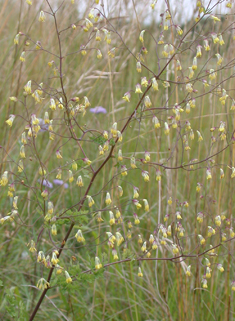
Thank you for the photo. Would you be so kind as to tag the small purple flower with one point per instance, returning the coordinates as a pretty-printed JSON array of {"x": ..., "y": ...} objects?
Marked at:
[
  {"x": 60, "y": 182},
  {"x": 44, "y": 127},
  {"x": 98, "y": 110},
  {"x": 46, "y": 183}
]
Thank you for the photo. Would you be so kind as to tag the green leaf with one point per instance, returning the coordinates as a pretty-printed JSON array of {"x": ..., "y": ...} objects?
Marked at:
[
  {"x": 80, "y": 163},
  {"x": 23, "y": 315},
  {"x": 63, "y": 221},
  {"x": 11, "y": 311},
  {"x": 74, "y": 270},
  {"x": 10, "y": 297},
  {"x": 100, "y": 140},
  {"x": 118, "y": 165},
  {"x": 112, "y": 142},
  {"x": 79, "y": 217}
]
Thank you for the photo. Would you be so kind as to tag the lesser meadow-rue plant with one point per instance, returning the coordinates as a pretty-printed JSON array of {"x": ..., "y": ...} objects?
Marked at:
[{"x": 137, "y": 137}]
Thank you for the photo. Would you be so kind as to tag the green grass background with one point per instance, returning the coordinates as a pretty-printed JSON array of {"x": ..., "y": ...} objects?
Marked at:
[{"x": 116, "y": 292}]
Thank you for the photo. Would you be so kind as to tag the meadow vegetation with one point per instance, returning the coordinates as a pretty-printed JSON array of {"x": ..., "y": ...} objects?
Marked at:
[{"x": 117, "y": 160}]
